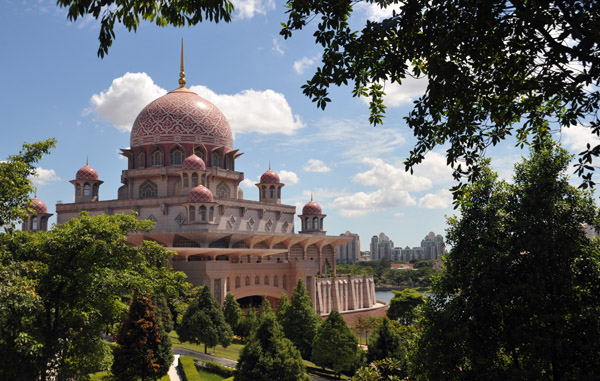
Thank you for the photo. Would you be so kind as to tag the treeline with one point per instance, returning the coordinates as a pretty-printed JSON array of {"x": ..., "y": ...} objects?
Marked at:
[{"x": 384, "y": 276}]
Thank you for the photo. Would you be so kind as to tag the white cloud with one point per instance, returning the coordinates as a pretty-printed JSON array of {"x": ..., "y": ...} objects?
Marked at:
[
  {"x": 277, "y": 47},
  {"x": 288, "y": 177},
  {"x": 434, "y": 168},
  {"x": 373, "y": 12},
  {"x": 316, "y": 165},
  {"x": 362, "y": 203},
  {"x": 246, "y": 9},
  {"x": 577, "y": 137},
  {"x": 439, "y": 200},
  {"x": 247, "y": 183},
  {"x": 263, "y": 112},
  {"x": 397, "y": 95},
  {"x": 304, "y": 63},
  {"x": 43, "y": 176},
  {"x": 124, "y": 99},
  {"x": 389, "y": 177}
]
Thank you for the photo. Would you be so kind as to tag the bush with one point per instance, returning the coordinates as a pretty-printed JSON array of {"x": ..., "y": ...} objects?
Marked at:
[
  {"x": 215, "y": 368},
  {"x": 188, "y": 369}
]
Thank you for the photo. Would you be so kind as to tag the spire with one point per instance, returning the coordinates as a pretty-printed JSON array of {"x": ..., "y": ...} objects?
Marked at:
[
  {"x": 86, "y": 160},
  {"x": 181, "y": 71},
  {"x": 269, "y": 165},
  {"x": 311, "y": 196}
]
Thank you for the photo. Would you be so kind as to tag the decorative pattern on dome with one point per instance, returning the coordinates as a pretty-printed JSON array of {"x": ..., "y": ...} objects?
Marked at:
[
  {"x": 269, "y": 177},
  {"x": 181, "y": 117},
  {"x": 39, "y": 206},
  {"x": 200, "y": 194},
  {"x": 194, "y": 163},
  {"x": 312, "y": 208},
  {"x": 86, "y": 173}
]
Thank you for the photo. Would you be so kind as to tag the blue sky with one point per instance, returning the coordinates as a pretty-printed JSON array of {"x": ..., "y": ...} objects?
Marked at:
[{"x": 54, "y": 85}]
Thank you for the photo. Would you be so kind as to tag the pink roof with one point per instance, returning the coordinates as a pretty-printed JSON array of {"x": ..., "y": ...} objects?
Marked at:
[
  {"x": 181, "y": 116},
  {"x": 269, "y": 177},
  {"x": 86, "y": 173},
  {"x": 200, "y": 194},
  {"x": 193, "y": 162},
  {"x": 312, "y": 208},
  {"x": 39, "y": 206}
]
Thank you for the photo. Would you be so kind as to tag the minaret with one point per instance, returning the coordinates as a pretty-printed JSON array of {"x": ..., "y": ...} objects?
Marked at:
[
  {"x": 269, "y": 188},
  {"x": 38, "y": 216},
  {"x": 86, "y": 184},
  {"x": 312, "y": 218}
]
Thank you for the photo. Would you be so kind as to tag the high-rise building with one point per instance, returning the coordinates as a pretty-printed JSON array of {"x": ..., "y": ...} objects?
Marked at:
[
  {"x": 381, "y": 247},
  {"x": 433, "y": 246},
  {"x": 349, "y": 252}
]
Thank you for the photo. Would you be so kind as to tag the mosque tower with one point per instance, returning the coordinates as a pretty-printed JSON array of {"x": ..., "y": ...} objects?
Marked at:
[
  {"x": 312, "y": 218},
  {"x": 38, "y": 216}
]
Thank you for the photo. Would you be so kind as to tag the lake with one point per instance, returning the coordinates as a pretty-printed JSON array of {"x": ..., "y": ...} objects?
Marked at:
[{"x": 385, "y": 296}]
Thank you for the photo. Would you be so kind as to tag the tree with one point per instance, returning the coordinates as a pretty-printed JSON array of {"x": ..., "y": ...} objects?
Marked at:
[
  {"x": 204, "y": 323},
  {"x": 15, "y": 183},
  {"x": 268, "y": 355},
  {"x": 387, "y": 369},
  {"x": 403, "y": 304},
  {"x": 386, "y": 342},
  {"x": 144, "y": 347},
  {"x": 494, "y": 69},
  {"x": 176, "y": 13},
  {"x": 335, "y": 346},
  {"x": 364, "y": 325},
  {"x": 520, "y": 295},
  {"x": 60, "y": 289},
  {"x": 300, "y": 320},
  {"x": 282, "y": 306},
  {"x": 232, "y": 312}
]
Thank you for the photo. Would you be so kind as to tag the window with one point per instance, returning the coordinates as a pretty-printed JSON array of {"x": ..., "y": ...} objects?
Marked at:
[
  {"x": 204, "y": 181},
  {"x": 202, "y": 213},
  {"x": 257, "y": 280},
  {"x": 77, "y": 190},
  {"x": 278, "y": 192},
  {"x": 176, "y": 157},
  {"x": 194, "y": 180},
  {"x": 200, "y": 153},
  {"x": 211, "y": 213},
  {"x": 86, "y": 189},
  {"x": 43, "y": 223},
  {"x": 148, "y": 190},
  {"x": 141, "y": 160},
  {"x": 237, "y": 282},
  {"x": 284, "y": 281},
  {"x": 307, "y": 224},
  {"x": 95, "y": 190},
  {"x": 315, "y": 223},
  {"x": 229, "y": 162},
  {"x": 157, "y": 158},
  {"x": 34, "y": 225},
  {"x": 272, "y": 192},
  {"x": 275, "y": 281},
  {"x": 192, "y": 213},
  {"x": 247, "y": 281},
  {"x": 186, "y": 182},
  {"x": 264, "y": 192},
  {"x": 222, "y": 190},
  {"x": 215, "y": 160},
  {"x": 266, "y": 280}
]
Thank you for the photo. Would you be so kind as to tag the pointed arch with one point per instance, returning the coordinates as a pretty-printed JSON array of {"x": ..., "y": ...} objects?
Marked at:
[
  {"x": 148, "y": 190},
  {"x": 176, "y": 155},
  {"x": 222, "y": 190}
]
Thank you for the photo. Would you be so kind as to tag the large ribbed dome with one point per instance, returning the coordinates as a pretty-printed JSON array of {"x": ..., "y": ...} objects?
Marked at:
[{"x": 181, "y": 116}]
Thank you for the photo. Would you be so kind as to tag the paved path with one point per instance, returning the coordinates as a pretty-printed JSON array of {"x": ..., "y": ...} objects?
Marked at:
[{"x": 173, "y": 375}]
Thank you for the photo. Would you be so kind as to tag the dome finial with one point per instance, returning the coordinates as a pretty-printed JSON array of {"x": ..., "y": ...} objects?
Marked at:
[
  {"x": 269, "y": 165},
  {"x": 181, "y": 72},
  {"x": 86, "y": 160},
  {"x": 311, "y": 196}
]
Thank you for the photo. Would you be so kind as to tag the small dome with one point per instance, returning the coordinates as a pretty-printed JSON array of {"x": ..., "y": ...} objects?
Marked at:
[
  {"x": 312, "y": 208},
  {"x": 269, "y": 177},
  {"x": 193, "y": 162},
  {"x": 39, "y": 206},
  {"x": 86, "y": 173},
  {"x": 200, "y": 194}
]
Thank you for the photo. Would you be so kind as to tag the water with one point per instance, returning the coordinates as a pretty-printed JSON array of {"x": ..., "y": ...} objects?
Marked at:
[{"x": 385, "y": 296}]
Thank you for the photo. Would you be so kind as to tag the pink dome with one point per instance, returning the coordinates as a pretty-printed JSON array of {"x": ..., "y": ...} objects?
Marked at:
[
  {"x": 193, "y": 162},
  {"x": 39, "y": 206},
  {"x": 181, "y": 116},
  {"x": 86, "y": 173},
  {"x": 312, "y": 208},
  {"x": 270, "y": 177},
  {"x": 200, "y": 194}
]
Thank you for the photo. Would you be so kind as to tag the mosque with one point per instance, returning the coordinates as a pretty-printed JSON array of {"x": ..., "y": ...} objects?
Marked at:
[{"x": 181, "y": 174}]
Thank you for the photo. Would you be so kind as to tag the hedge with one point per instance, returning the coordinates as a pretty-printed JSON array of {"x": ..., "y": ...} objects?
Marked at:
[
  {"x": 215, "y": 368},
  {"x": 188, "y": 369}
]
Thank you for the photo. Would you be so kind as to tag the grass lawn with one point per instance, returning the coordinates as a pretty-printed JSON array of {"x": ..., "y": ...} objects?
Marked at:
[
  {"x": 232, "y": 352},
  {"x": 104, "y": 376},
  {"x": 207, "y": 376}
]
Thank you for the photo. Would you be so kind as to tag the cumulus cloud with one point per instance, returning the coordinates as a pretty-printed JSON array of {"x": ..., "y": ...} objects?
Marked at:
[
  {"x": 43, "y": 176},
  {"x": 576, "y": 138},
  {"x": 304, "y": 63},
  {"x": 288, "y": 177},
  {"x": 393, "y": 185},
  {"x": 434, "y": 168},
  {"x": 263, "y": 112},
  {"x": 124, "y": 99},
  {"x": 316, "y": 165},
  {"x": 247, "y": 183},
  {"x": 247, "y": 9},
  {"x": 439, "y": 200},
  {"x": 397, "y": 95}
]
